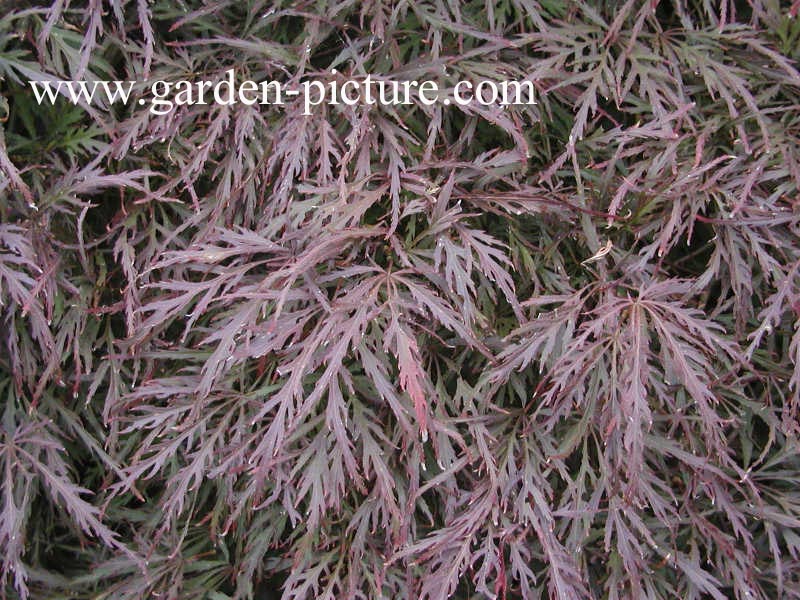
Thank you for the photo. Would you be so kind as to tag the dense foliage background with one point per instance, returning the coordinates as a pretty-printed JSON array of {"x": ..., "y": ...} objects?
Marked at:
[{"x": 412, "y": 351}]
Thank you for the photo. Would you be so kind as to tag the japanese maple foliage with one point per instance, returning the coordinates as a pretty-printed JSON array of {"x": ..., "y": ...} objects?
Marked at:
[{"x": 411, "y": 351}]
